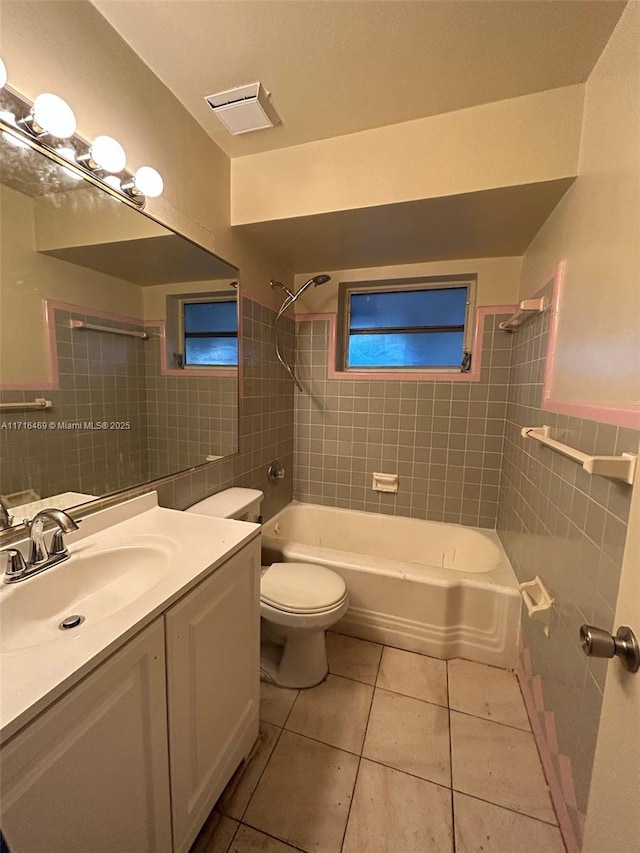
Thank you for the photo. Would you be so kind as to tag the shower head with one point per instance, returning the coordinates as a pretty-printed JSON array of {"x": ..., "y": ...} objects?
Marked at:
[{"x": 315, "y": 281}]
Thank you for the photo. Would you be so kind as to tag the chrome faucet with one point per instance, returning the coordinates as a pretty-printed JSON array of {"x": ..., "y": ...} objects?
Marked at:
[
  {"x": 6, "y": 520},
  {"x": 40, "y": 558}
]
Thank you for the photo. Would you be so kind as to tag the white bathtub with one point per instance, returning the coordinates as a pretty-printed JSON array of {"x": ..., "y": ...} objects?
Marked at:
[{"x": 441, "y": 589}]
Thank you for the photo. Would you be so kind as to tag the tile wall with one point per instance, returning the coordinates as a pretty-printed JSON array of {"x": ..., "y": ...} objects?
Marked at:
[
  {"x": 102, "y": 380},
  {"x": 558, "y": 522},
  {"x": 443, "y": 439},
  {"x": 188, "y": 417},
  {"x": 266, "y": 422}
]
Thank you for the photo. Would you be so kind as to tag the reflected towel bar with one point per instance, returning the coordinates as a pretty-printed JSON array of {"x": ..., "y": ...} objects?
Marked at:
[
  {"x": 80, "y": 324},
  {"x": 38, "y": 403},
  {"x": 527, "y": 308},
  {"x": 619, "y": 467}
]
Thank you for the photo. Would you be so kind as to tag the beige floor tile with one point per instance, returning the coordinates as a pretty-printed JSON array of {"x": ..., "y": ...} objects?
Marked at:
[
  {"x": 238, "y": 792},
  {"x": 410, "y": 735},
  {"x": 484, "y": 828},
  {"x": 396, "y": 813},
  {"x": 216, "y": 834},
  {"x": 414, "y": 675},
  {"x": 499, "y": 764},
  {"x": 304, "y": 795},
  {"x": 485, "y": 691},
  {"x": 353, "y": 658},
  {"x": 334, "y": 712},
  {"x": 275, "y": 703},
  {"x": 249, "y": 840}
]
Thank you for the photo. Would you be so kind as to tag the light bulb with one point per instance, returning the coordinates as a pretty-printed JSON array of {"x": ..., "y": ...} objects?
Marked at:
[
  {"x": 113, "y": 182},
  {"x": 3, "y": 74},
  {"x": 53, "y": 115},
  {"x": 148, "y": 181},
  {"x": 107, "y": 153}
]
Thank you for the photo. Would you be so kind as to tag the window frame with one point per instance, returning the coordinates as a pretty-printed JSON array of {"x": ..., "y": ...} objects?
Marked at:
[
  {"x": 182, "y": 334},
  {"x": 441, "y": 282}
]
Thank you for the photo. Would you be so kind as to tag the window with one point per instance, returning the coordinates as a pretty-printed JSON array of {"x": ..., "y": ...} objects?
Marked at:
[
  {"x": 416, "y": 324},
  {"x": 210, "y": 332}
]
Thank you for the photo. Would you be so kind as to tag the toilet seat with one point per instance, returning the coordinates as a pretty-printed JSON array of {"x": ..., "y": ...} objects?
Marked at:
[{"x": 304, "y": 588}]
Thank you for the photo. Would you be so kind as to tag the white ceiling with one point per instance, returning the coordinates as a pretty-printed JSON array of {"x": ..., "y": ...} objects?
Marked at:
[{"x": 337, "y": 67}]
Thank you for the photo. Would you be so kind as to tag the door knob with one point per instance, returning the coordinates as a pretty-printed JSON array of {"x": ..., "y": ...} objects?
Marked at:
[{"x": 597, "y": 643}]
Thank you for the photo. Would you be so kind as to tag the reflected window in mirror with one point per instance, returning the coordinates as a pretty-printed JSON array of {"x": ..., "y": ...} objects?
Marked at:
[{"x": 210, "y": 332}]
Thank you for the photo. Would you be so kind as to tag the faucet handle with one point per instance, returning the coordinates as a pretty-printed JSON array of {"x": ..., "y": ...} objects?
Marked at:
[{"x": 16, "y": 566}]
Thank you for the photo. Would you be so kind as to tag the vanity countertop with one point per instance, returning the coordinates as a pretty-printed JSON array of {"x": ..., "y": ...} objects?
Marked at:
[{"x": 46, "y": 661}]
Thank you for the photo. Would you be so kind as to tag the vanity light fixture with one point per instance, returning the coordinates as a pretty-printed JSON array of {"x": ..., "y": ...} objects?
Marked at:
[
  {"x": 50, "y": 115},
  {"x": 105, "y": 154},
  {"x": 146, "y": 181},
  {"x": 48, "y": 123}
]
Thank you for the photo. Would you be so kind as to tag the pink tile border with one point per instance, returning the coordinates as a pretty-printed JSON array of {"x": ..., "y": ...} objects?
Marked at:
[
  {"x": 417, "y": 376},
  {"x": 557, "y": 766},
  {"x": 625, "y": 415}
]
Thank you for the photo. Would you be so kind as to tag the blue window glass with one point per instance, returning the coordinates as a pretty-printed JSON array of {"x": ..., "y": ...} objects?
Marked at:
[
  {"x": 432, "y": 307},
  {"x": 211, "y": 333},
  {"x": 416, "y": 328},
  {"x": 211, "y": 351},
  {"x": 210, "y": 316},
  {"x": 426, "y": 349}
]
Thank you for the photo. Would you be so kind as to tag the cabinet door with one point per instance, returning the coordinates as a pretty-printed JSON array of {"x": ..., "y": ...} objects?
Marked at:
[
  {"x": 213, "y": 684},
  {"x": 91, "y": 774}
]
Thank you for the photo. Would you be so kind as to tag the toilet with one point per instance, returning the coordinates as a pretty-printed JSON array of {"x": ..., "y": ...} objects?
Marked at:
[{"x": 298, "y": 602}]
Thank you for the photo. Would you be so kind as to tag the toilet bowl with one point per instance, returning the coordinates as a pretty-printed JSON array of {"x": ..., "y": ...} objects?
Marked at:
[{"x": 298, "y": 602}]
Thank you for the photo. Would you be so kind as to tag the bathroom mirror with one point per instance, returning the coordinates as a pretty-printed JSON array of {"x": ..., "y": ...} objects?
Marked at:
[{"x": 118, "y": 341}]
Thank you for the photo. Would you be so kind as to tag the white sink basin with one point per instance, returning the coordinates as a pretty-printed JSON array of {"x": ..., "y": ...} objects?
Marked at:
[
  {"x": 92, "y": 583},
  {"x": 128, "y": 564}
]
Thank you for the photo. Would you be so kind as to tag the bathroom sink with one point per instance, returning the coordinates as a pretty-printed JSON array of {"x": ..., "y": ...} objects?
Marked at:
[{"x": 92, "y": 583}]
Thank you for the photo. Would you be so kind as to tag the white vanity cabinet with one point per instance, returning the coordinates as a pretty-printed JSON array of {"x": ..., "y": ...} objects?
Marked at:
[
  {"x": 133, "y": 757},
  {"x": 213, "y": 650},
  {"x": 91, "y": 772}
]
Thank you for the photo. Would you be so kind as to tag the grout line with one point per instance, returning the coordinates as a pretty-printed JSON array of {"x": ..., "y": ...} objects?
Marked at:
[
  {"x": 488, "y": 720},
  {"x": 286, "y": 720},
  {"x": 453, "y": 811},
  {"x": 269, "y": 835},
  {"x": 233, "y": 837},
  {"x": 268, "y": 761},
  {"x": 355, "y": 781},
  {"x": 507, "y": 808}
]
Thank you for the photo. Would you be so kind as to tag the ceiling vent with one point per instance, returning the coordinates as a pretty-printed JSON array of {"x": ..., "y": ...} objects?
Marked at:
[{"x": 244, "y": 109}]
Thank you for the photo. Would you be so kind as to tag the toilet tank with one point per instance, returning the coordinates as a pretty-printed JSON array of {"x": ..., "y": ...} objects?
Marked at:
[{"x": 241, "y": 504}]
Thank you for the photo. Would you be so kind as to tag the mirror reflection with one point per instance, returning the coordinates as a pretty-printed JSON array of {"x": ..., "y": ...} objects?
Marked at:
[{"x": 118, "y": 342}]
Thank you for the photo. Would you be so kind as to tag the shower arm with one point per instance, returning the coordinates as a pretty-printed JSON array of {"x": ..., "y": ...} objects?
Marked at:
[
  {"x": 282, "y": 360},
  {"x": 289, "y": 300}
]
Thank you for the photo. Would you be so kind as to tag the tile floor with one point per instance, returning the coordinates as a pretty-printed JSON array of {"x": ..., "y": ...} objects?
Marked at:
[{"x": 395, "y": 752}]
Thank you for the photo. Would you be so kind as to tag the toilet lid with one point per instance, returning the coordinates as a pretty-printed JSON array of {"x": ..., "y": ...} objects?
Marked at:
[{"x": 301, "y": 587}]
